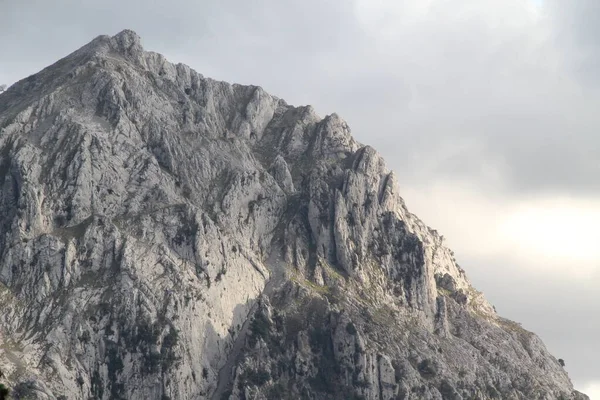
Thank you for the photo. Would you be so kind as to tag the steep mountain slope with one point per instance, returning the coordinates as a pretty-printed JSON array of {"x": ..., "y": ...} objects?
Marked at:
[{"x": 164, "y": 235}]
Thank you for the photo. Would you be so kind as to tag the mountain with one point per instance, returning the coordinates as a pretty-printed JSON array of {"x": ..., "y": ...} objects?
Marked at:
[{"x": 167, "y": 236}]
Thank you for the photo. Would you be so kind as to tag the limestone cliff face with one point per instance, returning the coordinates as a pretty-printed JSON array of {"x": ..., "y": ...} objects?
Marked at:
[{"x": 164, "y": 235}]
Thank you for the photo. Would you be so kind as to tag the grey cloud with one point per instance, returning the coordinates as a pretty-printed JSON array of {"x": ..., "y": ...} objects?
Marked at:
[
  {"x": 508, "y": 93},
  {"x": 578, "y": 33}
]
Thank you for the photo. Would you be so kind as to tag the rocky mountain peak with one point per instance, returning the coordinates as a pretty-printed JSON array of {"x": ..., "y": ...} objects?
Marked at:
[
  {"x": 166, "y": 235},
  {"x": 127, "y": 40}
]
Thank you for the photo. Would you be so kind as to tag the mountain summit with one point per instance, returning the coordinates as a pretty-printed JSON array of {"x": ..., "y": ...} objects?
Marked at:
[{"x": 167, "y": 236}]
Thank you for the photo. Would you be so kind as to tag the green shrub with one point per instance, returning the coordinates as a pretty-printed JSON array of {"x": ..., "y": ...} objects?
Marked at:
[
  {"x": 350, "y": 328},
  {"x": 361, "y": 383},
  {"x": 427, "y": 369},
  {"x": 4, "y": 392},
  {"x": 448, "y": 392},
  {"x": 260, "y": 328},
  {"x": 257, "y": 378},
  {"x": 277, "y": 392},
  {"x": 319, "y": 339},
  {"x": 492, "y": 392},
  {"x": 168, "y": 351}
]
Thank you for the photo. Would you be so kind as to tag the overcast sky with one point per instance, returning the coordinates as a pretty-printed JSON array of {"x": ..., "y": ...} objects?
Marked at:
[{"x": 487, "y": 109}]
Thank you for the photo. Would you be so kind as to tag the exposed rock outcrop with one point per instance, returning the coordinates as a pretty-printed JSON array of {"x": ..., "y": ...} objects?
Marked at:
[{"x": 164, "y": 235}]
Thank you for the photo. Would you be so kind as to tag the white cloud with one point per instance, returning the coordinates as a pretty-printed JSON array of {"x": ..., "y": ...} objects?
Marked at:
[
  {"x": 554, "y": 235},
  {"x": 560, "y": 231},
  {"x": 592, "y": 390}
]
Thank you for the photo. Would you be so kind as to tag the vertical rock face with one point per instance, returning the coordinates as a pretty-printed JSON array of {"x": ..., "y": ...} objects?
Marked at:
[{"x": 164, "y": 235}]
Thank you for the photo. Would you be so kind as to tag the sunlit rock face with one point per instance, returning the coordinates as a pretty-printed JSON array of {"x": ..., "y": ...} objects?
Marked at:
[{"x": 167, "y": 236}]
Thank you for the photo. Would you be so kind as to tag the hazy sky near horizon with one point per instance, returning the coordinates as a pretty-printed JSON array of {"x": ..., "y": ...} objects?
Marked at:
[{"x": 487, "y": 109}]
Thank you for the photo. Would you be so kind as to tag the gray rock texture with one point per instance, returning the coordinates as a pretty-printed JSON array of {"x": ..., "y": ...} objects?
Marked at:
[{"x": 167, "y": 236}]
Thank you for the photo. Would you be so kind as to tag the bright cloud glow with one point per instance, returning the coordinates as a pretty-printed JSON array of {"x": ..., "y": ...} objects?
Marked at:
[
  {"x": 562, "y": 229},
  {"x": 538, "y": 3},
  {"x": 549, "y": 234},
  {"x": 592, "y": 390}
]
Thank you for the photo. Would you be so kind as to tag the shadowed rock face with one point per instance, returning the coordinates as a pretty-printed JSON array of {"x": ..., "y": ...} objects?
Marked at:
[{"x": 145, "y": 208}]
